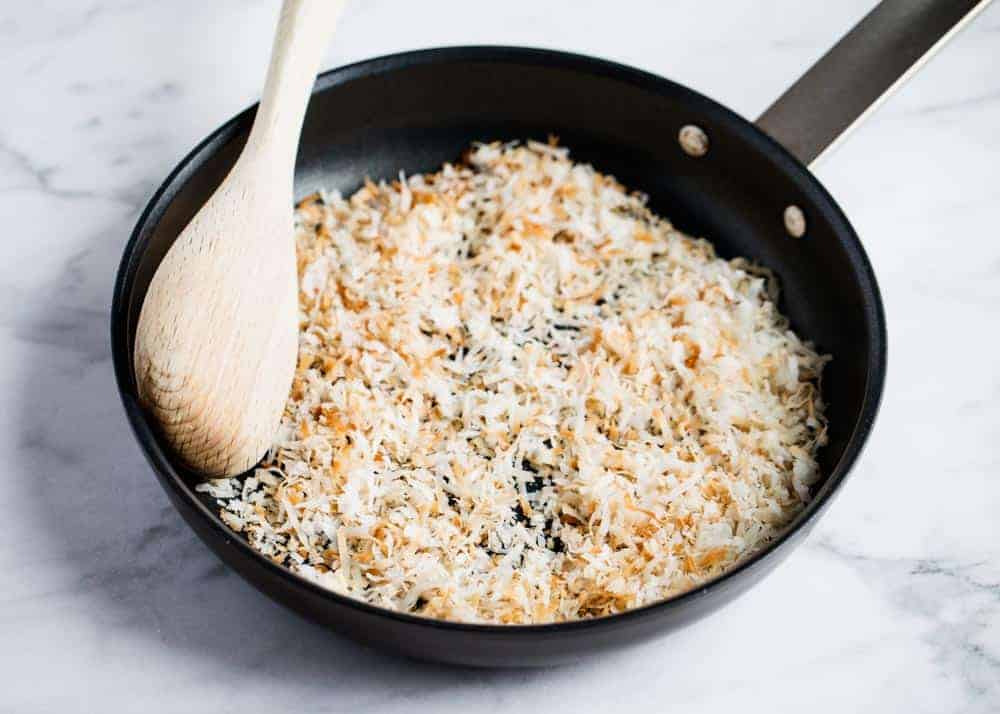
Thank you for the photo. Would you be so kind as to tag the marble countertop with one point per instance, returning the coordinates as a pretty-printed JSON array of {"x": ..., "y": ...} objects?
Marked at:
[{"x": 109, "y": 603}]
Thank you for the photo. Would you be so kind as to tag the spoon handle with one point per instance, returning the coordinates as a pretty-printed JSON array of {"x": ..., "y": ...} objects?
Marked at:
[{"x": 304, "y": 31}]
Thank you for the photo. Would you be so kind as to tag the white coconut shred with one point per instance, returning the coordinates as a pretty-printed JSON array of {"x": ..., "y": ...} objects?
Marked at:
[{"x": 522, "y": 397}]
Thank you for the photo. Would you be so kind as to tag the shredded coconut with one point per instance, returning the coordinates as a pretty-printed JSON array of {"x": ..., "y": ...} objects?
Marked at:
[{"x": 522, "y": 397}]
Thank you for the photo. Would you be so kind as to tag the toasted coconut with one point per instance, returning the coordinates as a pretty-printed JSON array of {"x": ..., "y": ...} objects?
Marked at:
[{"x": 523, "y": 397}]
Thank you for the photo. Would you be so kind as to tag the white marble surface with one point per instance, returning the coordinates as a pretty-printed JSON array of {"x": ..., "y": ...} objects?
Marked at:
[{"x": 109, "y": 603}]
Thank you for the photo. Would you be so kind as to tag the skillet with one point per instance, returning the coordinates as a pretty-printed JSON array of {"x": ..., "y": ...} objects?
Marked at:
[{"x": 750, "y": 193}]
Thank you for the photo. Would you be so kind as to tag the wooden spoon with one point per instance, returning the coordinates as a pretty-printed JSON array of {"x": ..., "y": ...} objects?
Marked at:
[{"x": 216, "y": 343}]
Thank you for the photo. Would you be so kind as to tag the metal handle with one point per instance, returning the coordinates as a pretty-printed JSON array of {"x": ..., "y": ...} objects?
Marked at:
[{"x": 851, "y": 80}]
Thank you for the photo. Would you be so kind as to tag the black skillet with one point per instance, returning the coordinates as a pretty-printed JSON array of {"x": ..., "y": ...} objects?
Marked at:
[{"x": 416, "y": 110}]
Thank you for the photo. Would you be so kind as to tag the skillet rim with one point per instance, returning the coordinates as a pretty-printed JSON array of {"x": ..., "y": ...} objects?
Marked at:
[{"x": 812, "y": 189}]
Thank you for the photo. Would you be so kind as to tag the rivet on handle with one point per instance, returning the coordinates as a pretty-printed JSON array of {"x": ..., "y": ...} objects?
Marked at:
[
  {"x": 693, "y": 140},
  {"x": 795, "y": 221}
]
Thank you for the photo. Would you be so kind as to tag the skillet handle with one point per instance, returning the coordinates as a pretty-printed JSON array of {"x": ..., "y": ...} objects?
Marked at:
[{"x": 851, "y": 80}]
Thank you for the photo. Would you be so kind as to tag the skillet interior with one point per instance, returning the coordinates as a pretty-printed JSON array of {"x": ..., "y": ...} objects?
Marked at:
[{"x": 417, "y": 110}]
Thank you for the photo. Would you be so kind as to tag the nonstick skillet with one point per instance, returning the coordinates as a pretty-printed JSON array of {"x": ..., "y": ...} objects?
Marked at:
[{"x": 744, "y": 186}]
